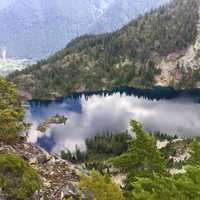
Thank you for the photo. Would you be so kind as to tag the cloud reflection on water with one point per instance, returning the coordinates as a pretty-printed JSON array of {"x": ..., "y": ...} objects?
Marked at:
[{"x": 99, "y": 114}]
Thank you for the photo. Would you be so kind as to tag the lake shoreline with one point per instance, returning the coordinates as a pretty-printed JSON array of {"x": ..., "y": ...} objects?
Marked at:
[
  {"x": 166, "y": 110},
  {"x": 157, "y": 92}
]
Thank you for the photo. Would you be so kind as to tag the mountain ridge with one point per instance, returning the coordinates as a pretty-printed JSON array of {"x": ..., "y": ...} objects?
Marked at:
[
  {"x": 41, "y": 27},
  {"x": 123, "y": 12},
  {"x": 131, "y": 56}
]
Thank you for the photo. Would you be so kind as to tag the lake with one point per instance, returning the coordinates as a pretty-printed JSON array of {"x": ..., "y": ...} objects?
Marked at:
[{"x": 160, "y": 109}]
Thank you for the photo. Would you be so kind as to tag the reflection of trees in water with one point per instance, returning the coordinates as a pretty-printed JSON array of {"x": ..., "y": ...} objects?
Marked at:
[{"x": 155, "y": 93}]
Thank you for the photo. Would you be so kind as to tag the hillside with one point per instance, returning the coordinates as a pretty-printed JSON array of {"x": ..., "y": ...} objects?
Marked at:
[
  {"x": 42, "y": 27},
  {"x": 148, "y": 51}
]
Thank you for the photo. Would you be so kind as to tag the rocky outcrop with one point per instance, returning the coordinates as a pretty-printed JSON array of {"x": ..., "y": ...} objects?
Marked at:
[
  {"x": 60, "y": 178},
  {"x": 56, "y": 119},
  {"x": 188, "y": 58}
]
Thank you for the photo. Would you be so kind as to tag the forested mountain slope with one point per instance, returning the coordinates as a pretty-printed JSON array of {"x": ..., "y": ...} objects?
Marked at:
[{"x": 138, "y": 55}]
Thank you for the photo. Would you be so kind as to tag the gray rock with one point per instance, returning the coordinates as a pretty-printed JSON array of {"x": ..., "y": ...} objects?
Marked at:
[
  {"x": 70, "y": 189},
  {"x": 2, "y": 197}
]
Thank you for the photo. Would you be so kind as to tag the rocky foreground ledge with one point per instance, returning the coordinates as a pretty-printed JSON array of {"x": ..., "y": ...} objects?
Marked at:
[{"x": 60, "y": 178}]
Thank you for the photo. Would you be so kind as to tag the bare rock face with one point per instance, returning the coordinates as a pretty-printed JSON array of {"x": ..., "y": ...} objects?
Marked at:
[
  {"x": 189, "y": 57},
  {"x": 60, "y": 179},
  {"x": 56, "y": 119}
]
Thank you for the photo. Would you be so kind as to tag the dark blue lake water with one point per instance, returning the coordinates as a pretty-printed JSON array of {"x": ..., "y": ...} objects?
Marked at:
[{"x": 160, "y": 109}]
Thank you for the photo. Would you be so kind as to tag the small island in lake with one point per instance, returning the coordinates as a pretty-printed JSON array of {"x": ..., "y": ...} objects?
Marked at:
[{"x": 56, "y": 119}]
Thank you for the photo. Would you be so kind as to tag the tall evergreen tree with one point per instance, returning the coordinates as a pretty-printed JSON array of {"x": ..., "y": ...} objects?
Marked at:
[
  {"x": 11, "y": 112},
  {"x": 142, "y": 159}
]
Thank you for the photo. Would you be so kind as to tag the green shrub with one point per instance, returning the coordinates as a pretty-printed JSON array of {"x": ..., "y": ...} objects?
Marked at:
[
  {"x": 17, "y": 179},
  {"x": 99, "y": 187},
  {"x": 184, "y": 186}
]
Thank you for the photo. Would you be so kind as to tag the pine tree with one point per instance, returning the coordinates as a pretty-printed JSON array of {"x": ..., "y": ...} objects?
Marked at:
[
  {"x": 11, "y": 112},
  {"x": 142, "y": 159}
]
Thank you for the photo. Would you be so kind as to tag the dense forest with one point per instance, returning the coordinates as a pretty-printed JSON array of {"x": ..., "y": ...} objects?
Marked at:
[
  {"x": 99, "y": 148},
  {"x": 128, "y": 56}
]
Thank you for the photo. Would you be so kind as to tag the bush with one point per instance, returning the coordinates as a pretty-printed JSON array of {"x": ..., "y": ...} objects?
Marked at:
[
  {"x": 17, "y": 179},
  {"x": 180, "y": 187},
  {"x": 100, "y": 187}
]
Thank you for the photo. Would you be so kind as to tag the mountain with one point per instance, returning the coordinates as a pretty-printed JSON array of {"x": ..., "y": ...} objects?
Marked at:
[
  {"x": 120, "y": 12},
  {"x": 159, "y": 48},
  {"x": 37, "y": 28}
]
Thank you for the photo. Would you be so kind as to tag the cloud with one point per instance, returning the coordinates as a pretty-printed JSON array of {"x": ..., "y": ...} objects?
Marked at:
[{"x": 112, "y": 113}]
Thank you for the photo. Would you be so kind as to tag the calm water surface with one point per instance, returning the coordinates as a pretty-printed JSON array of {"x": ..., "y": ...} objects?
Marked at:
[{"x": 169, "y": 112}]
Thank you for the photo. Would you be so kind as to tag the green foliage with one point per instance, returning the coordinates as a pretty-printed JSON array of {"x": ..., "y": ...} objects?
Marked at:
[
  {"x": 142, "y": 159},
  {"x": 194, "y": 153},
  {"x": 17, "y": 179},
  {"x": 100, "y": 187},
  {"x": 125, "y": 57},
  {"x": 163, "y": 136},
  {"x": 99, "y": 148},
  {"x": 142, "y": 156},
  {"x": 102, "y": 147},
  {"x": 11, "y": 112},
  {"x": 107, "y": 145},
  {"x": 147, "y": 176},
  {"x": 180, "y": 187}
]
